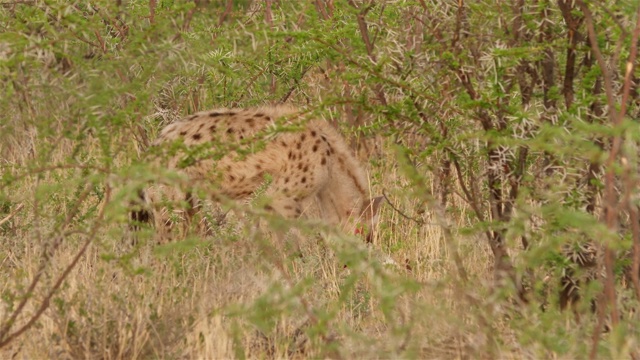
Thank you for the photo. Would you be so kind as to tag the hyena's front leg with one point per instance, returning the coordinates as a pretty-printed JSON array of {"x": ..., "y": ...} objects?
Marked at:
[{"x": 172, "y": 211}]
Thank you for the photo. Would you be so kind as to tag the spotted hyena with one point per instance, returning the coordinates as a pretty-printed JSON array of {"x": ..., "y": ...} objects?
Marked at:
[{"x": 236, "y": 152}]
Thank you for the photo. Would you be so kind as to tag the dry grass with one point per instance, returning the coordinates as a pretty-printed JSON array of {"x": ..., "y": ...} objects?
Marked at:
[{"x": 234, "y": 294}]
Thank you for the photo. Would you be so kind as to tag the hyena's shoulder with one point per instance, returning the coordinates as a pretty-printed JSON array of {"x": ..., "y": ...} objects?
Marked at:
[{"x": 222, "y": 124}]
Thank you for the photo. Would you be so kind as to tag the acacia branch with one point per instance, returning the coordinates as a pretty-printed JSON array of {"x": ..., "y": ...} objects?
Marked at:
[
  {"x": 417, "y": 221},
  {"x": 364, "y": 34},
  {"x": 44, "y": 305},
  {"x": 45, "y": 259},
  {"x": 13, "y": 213},
  {"x": 616, "y": 119}
]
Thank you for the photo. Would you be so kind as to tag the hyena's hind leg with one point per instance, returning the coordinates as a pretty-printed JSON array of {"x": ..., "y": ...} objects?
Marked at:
[{"x": 290, "y": 195}]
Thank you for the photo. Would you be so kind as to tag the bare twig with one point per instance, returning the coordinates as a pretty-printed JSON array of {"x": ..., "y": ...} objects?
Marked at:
[
  {"x": 268, "y": 14},
  {"x": 295, "y": 85},
  {"x": 227, "y": 10},
  {"x": 611, "y": 200},
  {"x": 629, "y": 185},
  {"x": 152, "y": 11},
  {"x": 417, "y": 221},
  {"x": 13, "y": 213},
  {"x": 364, "y": 34},
  {"x": 44, "y": 304},
  {"x": 321, "y": 9},
  {"x": 58, "y": 167},
  {"x": 380, "y": 76},
  {"x": 45, "y": 258}
]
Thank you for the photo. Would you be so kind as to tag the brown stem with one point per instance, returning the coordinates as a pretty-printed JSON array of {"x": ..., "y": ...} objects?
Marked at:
[
  {"x": 225, "y": 14},
  {"x": 629, "y": 185},
  {"x": 44, "y": 305},
  {"x": 369, "y": 45},
  {"x": 46, "y": 255},
  {"x": 152, "y": 11},
  {"x": 616, "y": 119},
  {"x": 268, "y": 15},
  {"x": 574, "y": 36},
  {"x": 320, "y": 7}
]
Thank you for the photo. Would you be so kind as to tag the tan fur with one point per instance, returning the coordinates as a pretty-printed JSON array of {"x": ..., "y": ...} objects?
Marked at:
[{"x": 311, "y": 164}]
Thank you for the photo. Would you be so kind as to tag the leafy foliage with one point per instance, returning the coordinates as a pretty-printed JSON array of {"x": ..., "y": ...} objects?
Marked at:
[{"x": 503, "y": 134}]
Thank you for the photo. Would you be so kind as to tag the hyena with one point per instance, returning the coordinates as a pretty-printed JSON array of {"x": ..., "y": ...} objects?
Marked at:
[{"x": 308, "y": 163}]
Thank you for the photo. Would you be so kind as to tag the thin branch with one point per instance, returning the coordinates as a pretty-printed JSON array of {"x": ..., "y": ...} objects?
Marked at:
[
  {"x": 629, "y": 185},
  {"x": 4, "y": 340},
  {"x": 417, "y": 221},
  {"x": 616, "y": 119},
  {"x": 227, "y": 10},
  {"x": 45, "y": 258},
  {"x": 268, "y": 14},
  {"x": 13, "y": 213},
  {"x": 152, "y": 11},
  {"x": 321, "y": 9}
]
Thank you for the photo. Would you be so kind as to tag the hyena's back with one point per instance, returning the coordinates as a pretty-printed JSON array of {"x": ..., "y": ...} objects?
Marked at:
[{"x": 311, "y": 162}]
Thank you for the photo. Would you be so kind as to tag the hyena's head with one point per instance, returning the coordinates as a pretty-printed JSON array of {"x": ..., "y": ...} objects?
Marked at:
[{"x": 369, "y": 216}]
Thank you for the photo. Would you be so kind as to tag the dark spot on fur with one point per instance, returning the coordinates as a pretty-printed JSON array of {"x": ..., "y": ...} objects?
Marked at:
[
  {"x": 304, "y": 179},
  {"x": 241, "y": 137},
  {"x": 231, "y": 113},
  {"x": 302, "y": 137},
  {"x": 268, "y": 118},
  {"x": 268, "y": 207},
  {"x": 183, "y": 133},
  {"x": 288, "y": 207},
  {"x": 299, "y": 166},
  {"x": 284, "y": 144},
  {"x": 306, "y": 168},
  {"x": 230, "y": 131},
  {"x": 323, "y": 138},
  {"x": 259, "y": 115},
  {"x": 324, "y": 161},
  {"x": 196, "y": 136},
  {"x": 192, "y": 117},
  {"x": 313, "y": 133},
  {"x": 315, "y": 148},
  {"x": 215, "y": 114},
  {"x": 286, "y": 180},
  {"x": 298, "y": 146},
  {"x": 258, "y": 167},
  {"x": 290, "y": 155},
  {"x": 328, "y": 152},
  {"x": 212, "y": 128},
  {"x": 249, "y": 121},
  {"x": 200, "y": 126},
  {"x": 232, "y": 178},
  {"x": 298, "y": 212}
]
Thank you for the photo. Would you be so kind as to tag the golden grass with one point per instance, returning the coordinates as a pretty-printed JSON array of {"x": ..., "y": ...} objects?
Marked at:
[{"x": 236, "y": 294}]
